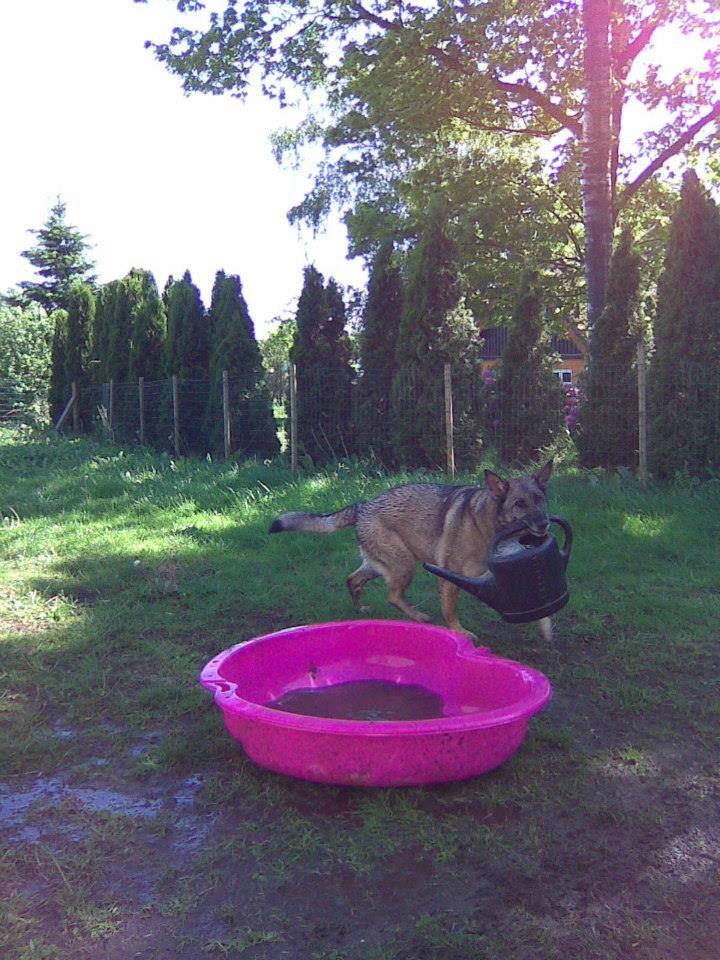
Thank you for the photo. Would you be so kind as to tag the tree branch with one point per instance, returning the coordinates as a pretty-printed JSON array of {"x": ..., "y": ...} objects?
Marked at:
[
  {"x": 525, "y": 92},
  {"x": 625, "y": 58},
  {"x": 374, "y": 18},
  {"x": 682, "y": 141}
]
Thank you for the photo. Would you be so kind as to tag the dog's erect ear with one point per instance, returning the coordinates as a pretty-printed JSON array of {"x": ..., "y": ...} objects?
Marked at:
[
  {"x": 496, "y": 485},
  {"x": 543, "y": 475}
]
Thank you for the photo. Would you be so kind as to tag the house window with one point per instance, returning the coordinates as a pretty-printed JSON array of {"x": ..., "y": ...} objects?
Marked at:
[{"x": 564, "y": 376}]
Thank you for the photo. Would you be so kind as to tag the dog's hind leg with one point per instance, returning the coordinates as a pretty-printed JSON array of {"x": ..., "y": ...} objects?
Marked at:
[
  {"x": 397, "y": 569},
  {"x": 357, "y": 580}
]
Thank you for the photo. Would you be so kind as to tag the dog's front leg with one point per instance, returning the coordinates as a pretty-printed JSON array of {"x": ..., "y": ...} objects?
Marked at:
[
  {"x": 448, "y": 603},
  {"x": 546, "y": 629}
]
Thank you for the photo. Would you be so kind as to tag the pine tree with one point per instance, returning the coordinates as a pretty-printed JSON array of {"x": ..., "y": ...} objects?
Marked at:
[
  {"x": 80, "y": 316},
  {"x": 683, "y": 377},
  {"x": 60, "y": 258},
  {"x": 378, "y": 354},
  {"x": 608, "y": 434},
  {"x": 234, "y": 349},
  {"x": 432, "y": 293},
  {"x": 321, "y": 353},
  {"x": 529, "y": 395}
]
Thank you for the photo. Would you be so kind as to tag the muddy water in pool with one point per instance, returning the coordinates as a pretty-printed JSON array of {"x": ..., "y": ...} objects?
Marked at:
[{"x": 363, "y": 700}]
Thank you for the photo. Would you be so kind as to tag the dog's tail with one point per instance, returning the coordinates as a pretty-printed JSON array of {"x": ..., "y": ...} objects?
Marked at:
[{"x": 316, "y": 522}]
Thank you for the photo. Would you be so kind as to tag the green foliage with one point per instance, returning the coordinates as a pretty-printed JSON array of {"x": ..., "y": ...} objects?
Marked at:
[
  {"x": 147, "y": 325},
  {"x": 275, "y": 350},
  {"x": 59, "y": 387},
  {"x": 378, "y": 353},
  {"x": 608, "y": 438},
  {"x": 683, "y": 426},
  {"x": 434, "y": 96},
  {"x": 529, "y": 395},
  {"x": 111, "y": 334},
  {"x": 80, "y": 318},
  {"x": 187, "y": 347},
  {"x": 321, "y": 354},
  {"x": 234, "y": 349},
  {"x": 432, "y": 292},
  {"x": 59, "y": 257},
  {"x": 25, "y": 353},
  {"x": 187, "y": 356}
]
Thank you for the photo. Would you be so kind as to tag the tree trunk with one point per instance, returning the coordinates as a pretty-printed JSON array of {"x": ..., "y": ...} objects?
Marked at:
[{"x": 596, "y": 153}]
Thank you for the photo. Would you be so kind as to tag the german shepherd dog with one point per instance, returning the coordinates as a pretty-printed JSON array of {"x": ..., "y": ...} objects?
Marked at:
[{"x": 446, "y": 525}]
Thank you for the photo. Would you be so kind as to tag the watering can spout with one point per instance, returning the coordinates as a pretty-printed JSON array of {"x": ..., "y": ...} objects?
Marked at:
[{"x": 484, "y": 587}]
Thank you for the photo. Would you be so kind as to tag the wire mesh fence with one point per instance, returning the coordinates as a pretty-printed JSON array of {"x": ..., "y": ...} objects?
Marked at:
[
  {"x": 451, "y": 420},
  {"x": 22, "y": 404}
]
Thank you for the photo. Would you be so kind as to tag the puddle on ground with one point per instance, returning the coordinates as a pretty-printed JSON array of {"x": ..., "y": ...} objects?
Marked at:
[
  {"x": 23, "y": 808},
  {"x": 363, "y": 700}
]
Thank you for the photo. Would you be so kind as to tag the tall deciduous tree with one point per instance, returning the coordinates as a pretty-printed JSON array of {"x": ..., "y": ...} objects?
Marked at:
[
  {"x": 321, "y": 354},
  {"x": 608, "y": 435},
  {"x": 234, "y": 349},
  {"x": 59, "y": 258},
  {"x": 684, "y": 374},
  {"x": 26, "y": 335},
  {"x": 446, "y": 69},
  {"x": 596, "y": 149}
]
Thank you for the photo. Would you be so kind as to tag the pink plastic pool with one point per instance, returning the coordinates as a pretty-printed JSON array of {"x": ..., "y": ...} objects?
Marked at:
[{"x": 485, "y": 701}]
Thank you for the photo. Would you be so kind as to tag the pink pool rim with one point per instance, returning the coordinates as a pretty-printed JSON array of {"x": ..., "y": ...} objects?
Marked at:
[{"x": 488, "y": 701}]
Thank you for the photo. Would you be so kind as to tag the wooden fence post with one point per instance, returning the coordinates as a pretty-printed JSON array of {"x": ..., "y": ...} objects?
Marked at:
[
  {"x": 227, "y": 435},
  {"x": 75, "y": 407},
  {"x": 449, "y": 440},
  {"x": 293, "y": 420},
  {"x": 141, "y": 408},
  {"x": 111, "y": 408},
  {"x": 642, "y": 413},
  {"x": 176, "y": 415},
  {"x": 64, "y": 415}
]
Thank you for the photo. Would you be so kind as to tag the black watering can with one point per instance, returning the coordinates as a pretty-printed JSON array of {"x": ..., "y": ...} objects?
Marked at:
[{"x": 522, "y": 584}]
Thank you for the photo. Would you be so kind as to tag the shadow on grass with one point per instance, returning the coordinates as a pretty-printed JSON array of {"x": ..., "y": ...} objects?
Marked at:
[{"x": 597, "y": 840}]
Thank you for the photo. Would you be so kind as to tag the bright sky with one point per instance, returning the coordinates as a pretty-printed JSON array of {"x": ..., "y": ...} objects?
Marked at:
[{"x": 154, "y": 178}]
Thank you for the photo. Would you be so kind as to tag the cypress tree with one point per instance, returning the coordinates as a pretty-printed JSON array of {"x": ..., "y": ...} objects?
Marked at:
[
  {"x": 80, "y": 315},
  {"x": 147, "y": 325},
  {"x": 378, "y": 353},
  {"x": 235, "y": 349},
  {"x": 59, "y": 257},
  {"x": 608, "y": 434},
  {"x": 187, "y": 348},
  {"x": 683, "y": 378},
  {"x": 321, "y": 353},
  {"x": 529, "y": 395},
  {"x": 59, "y": 392},
  {"x": 417, "y": 394},
  {"x": 118, "y": 326},
  {"x": 188, "y": 341}
]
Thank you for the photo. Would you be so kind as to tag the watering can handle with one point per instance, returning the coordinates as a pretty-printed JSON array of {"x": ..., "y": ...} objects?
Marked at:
[{"x": 567, "y": 546}]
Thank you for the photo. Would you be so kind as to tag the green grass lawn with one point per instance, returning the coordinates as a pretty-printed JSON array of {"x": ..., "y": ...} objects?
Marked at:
[{"x": 133, "y": 826}]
